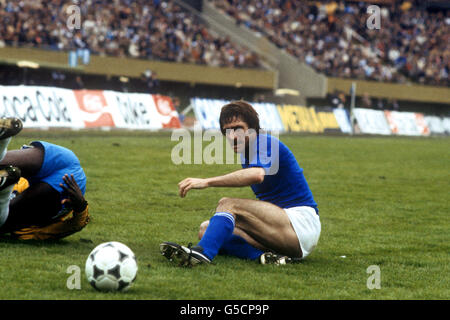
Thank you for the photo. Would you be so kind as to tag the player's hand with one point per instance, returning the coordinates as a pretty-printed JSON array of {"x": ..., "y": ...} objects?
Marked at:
[
  {"x": 75, "y": 196},
  {"x": 191, "y": 183}
]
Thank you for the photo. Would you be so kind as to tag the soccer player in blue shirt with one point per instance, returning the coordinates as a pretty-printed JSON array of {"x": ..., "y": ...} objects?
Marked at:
[
  {"x": 42, "y": 188},
  {"x": 282, "y": 226}
]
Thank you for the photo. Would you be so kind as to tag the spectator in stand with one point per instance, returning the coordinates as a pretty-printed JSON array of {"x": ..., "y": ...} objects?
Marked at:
[
  {"x": 151, "y": 81},
  {"x": 366, "y": 101},
  {"x": 79, "y": 84},
  {"x": 58, "y": 78},
  {"x": 337, "y": 99}
]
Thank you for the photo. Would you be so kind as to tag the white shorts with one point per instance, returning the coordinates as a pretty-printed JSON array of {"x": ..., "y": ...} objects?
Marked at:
[{"x": 306, "y": 223}]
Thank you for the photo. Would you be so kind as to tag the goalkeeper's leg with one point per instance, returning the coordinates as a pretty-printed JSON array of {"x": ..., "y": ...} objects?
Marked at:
[{"x": 9, "y": 175}]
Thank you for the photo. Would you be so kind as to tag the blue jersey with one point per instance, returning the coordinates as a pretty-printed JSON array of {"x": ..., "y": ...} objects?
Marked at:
[
  {"x": 58, "y": 161},
  {"x": 284, "y": 183}
]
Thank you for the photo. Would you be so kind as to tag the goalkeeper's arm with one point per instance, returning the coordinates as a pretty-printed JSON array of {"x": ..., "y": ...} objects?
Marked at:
[{"x": 65, "y": 225}]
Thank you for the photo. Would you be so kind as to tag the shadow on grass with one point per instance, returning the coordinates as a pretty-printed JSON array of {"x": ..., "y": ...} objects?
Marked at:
[{"x": 8, "y": 239}]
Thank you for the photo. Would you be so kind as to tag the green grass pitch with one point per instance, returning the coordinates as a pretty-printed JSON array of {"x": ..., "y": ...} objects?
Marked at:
[{"x": 383, "y": 201}]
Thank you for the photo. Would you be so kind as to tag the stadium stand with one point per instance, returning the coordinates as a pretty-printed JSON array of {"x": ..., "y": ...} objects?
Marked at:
[
  {"x": 128, "y": 39},
  {"x": 331, "y": 36},
  {"x": 159, "y": 30}
]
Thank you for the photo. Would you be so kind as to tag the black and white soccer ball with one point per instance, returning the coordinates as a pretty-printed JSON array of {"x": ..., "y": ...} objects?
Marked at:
[{"x": 111, "y": 266}]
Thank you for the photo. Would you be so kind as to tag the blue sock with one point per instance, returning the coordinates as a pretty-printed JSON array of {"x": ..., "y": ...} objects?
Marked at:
[
  {"x": 238, "y": 247},
  {"x": 220, "y": 228}
]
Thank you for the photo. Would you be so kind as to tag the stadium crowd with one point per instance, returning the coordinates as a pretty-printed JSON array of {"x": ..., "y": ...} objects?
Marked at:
[
  {"x": 150, "y": 29},
  {"x": 330, "y": 36},
  {"x": 333, "y": 38}
]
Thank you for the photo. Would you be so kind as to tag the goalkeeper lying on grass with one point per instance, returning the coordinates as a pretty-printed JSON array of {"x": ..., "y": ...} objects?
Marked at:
[{"x": 42, "y": 189}]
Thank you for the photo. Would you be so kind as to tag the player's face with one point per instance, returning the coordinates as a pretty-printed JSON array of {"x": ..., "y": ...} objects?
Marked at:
[{"x": 238, "y": 134}]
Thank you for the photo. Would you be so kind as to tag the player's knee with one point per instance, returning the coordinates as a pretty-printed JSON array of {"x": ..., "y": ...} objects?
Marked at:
[
  {"x": 223, "y": 200},
  {"x": 202, "y": 229},
  {"x": 225, "y": 204}
]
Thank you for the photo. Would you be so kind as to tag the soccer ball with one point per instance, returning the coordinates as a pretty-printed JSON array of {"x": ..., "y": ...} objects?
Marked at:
[{"x": 111, "y": 266}]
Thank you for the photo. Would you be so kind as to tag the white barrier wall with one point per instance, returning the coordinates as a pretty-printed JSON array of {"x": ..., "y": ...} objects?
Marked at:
[
  {"x": 446, "y": 125},
  {"x": 371, "y": 121},
  {"x": 436, "y": 124},
  {"x": 303, "y": 119},
  {"x": 46, "y": 107},
  {"x": 41, "y": 107},
  {"x": 343, "y": 120},
  {"x": 406, "y": 123},
  {"x": 207, "y": 112}
]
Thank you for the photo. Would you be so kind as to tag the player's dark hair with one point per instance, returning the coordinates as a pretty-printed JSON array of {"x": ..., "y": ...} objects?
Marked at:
[{"x": 239, "y": 110}]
